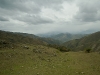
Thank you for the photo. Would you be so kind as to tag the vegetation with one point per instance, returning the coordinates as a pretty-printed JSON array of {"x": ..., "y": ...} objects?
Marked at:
[
  {"x": 24, "y": 55},
  {"x": 60, "y": 48},
  {"x": 15, "y": 38},
  {"x": 64, "y": 37},
  {"x": 42, "y": 60},
  {"x": 26, "y": 38},
  {"x": 88, "y": 50},
  {"x": 91, "y": 41}
]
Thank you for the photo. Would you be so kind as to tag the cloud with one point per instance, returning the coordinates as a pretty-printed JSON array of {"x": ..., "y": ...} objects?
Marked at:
[
  {"x": 34, "y": 19},
  {"x": 41, "y": 16},
  {"x": 89, "y": 11},
  {"x": 20, "y": 5},
  {"x": 3, "y": 19}
]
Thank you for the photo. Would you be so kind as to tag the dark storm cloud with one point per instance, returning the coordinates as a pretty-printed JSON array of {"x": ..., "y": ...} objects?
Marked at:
[
  {"x": 89, "y": 11},
  {"x": 49, "y": 15},
  {"x": 24, "y": 5},
  {"x": 49, "y": 3},
  {"x": 20, "y": 5},
  {"x": 34, "y": 19},
  {"x": 3, "y": 19},
  {"x": 14, "y": 8}
]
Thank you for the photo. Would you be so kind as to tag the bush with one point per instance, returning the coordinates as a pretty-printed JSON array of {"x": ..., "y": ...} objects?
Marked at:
[
  {"x": 60, "y": 48},
  {"x": 88, "y": 50}
]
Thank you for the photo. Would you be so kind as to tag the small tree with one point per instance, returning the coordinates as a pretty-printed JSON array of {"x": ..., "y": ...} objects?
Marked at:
[{"x": 88, "y": 50}]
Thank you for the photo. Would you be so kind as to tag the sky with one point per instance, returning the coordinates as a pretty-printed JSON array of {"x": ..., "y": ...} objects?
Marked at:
[{"x": 45, "y": 16}]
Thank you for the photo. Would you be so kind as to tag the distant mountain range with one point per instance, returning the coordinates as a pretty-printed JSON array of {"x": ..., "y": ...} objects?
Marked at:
[
  {"x": 91, "y": 41},
  {"x": 63, "y": 37},
  {"x": 73, "y": 42},
  {"x": 45, "y": 39},
  {"x": 12, "y": 38}
]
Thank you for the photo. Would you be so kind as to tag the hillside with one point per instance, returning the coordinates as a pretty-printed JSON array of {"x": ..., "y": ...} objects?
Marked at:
[
  {"x": 9, "y": 38},
  {"x": 42, "y": 60},
  {"x": 91, "y": 41},
  {"x": 47, "y": 39},
  {"x": 63, "y": 37}
]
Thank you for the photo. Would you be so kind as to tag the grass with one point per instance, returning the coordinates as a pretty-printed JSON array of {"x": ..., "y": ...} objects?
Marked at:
[{"x": 48, "y": 61}]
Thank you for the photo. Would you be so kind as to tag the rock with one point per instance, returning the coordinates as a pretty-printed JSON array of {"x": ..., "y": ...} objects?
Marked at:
[{"x": 26, "y": 47}]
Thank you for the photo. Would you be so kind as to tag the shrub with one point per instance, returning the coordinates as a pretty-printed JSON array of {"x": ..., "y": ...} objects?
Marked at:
[
  {"x": 88, "y": 50},
  {"x": 60, "y": 48}
]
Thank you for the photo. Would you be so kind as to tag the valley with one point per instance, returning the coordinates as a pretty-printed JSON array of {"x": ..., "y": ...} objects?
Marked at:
[
  {"x": 49, "y": 37},
  {"x": 27, "y": 54}
]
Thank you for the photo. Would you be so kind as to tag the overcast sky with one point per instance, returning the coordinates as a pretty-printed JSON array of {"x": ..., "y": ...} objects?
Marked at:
[{"x": 43, "y": 16}]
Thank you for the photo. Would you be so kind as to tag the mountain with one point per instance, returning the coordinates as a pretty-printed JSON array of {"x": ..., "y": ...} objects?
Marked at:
[
  {"x": 50, "y": 41},
  {"x": 91, "y": 41},
  {"x": 47, "y": 35},
  {"x": 10, "y": 38},
  {"x": 27, "y": 35},
  {"x": 14, "y": 38},
  {"x": 47, "y": 39},
  {"x": 63, "y": 37}
]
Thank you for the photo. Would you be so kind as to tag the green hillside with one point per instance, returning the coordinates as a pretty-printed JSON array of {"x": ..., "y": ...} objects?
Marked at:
[
  {"x": 21, "y": 54},
  {"x": 47, "y": 40},
  {"x": 10, "y": 39},
  {"x": 91, "y": 41},
  {"x": 63, "y": 37},
  {"x": 42, "y": 60}
]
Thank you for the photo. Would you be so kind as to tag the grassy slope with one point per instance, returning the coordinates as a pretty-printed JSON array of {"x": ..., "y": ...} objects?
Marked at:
[
  {"x": 25, "y": 38},
  {"x": 91, "y": 41},
  {"x": 47, "y": 61},
  {"x": 15, "y": 38},
  {"x": 64, "y": 37}
]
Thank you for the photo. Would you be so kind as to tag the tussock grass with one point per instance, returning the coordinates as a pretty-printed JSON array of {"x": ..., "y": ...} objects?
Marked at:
[{"x": 49, "y": 61}]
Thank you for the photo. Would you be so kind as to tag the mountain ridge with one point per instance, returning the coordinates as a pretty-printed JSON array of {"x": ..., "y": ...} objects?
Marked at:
[
  {"x": 91, "y": 41},
  {"x": 63, "y": 37},
  {"x": 15, "y": 38}
]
